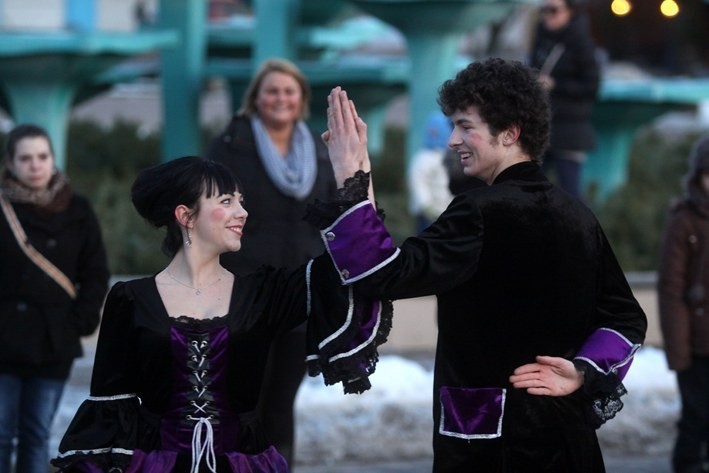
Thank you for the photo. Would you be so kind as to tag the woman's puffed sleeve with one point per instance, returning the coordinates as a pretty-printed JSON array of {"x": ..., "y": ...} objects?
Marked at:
[
  {"x": 345, "y": 329},
  {"x": 346, "y": 326},
  {"x": 103, "y": 433}
]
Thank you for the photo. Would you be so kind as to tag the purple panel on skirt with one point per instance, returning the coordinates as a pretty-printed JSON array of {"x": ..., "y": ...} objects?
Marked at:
[
  {"x": 472, "y": 412},
  {"x": 609, "y": 350},
  {"x": 268, "y": 461},
  {"x": 358, "y": 242},
  {"x": 158, "y": 461}
]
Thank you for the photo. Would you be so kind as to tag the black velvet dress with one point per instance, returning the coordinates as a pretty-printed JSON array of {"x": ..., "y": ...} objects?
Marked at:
[{"x": 176, "y": 394}]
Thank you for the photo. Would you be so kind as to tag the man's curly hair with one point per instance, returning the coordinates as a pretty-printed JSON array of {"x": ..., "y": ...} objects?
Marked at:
[{"x": 505, "y": 93}]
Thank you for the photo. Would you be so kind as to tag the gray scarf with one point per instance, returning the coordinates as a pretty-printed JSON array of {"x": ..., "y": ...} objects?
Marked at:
[{"x": 295, "y": 174}]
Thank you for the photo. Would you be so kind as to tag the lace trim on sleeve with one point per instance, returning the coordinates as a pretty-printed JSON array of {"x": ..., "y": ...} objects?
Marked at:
[
  {"x": 603, "y": 392},
  {"x": 355, "y": 190}
]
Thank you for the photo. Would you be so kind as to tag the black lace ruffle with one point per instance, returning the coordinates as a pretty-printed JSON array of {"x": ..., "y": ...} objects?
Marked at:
[
  {"x": 355, "y": 190},
  {"x": 603, "y": 393}
]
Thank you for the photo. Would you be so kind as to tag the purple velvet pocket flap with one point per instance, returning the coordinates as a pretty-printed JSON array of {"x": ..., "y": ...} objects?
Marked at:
[{"x": 472, "y": 413}]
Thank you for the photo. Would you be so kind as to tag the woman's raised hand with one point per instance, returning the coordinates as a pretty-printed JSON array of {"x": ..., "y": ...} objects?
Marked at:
[{"x": 346, "y": 137}]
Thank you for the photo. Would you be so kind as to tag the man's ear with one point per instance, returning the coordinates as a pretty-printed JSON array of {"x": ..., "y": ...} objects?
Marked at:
[
  {"x": 511, "y": 135},
  {"x": 183, "y": 215}
]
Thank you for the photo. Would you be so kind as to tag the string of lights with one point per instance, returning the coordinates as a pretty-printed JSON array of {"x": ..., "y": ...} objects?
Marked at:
[{"x": 669, "y": 8}]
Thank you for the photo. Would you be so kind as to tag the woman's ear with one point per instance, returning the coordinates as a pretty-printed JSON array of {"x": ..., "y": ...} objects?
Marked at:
[{"x": 183, "y": 215}]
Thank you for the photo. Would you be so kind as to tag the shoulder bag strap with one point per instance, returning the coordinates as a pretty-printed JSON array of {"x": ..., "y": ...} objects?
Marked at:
[
  {"x": 35, "y": 256},
  {"x": 552, "y": 59}
]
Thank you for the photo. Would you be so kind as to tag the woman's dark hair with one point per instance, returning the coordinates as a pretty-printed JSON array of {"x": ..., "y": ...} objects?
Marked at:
[
  {"x": 158, "y": 190},
  {"x": 505, "y": 93},
  {"x": 20, "y": 132}
]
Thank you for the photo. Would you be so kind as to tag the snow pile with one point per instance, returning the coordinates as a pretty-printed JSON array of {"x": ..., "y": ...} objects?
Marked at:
[
  {"x": 647, "y": 422},
  {"x": 391, "y": 421}
]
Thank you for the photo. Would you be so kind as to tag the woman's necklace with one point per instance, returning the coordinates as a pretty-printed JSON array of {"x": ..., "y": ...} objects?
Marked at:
[{"x": 197, "y": 290}]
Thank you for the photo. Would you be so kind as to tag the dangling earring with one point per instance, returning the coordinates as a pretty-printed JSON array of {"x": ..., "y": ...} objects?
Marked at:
[{"x": 188, "y": 239}]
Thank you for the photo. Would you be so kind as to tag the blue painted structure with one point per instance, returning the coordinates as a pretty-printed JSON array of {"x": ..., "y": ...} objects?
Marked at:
[
  {"x": 42, "y": 73},
  {"x": 623, "y": 107},
  {"x": 182, "y": 75},
  {"x": 83, "y": 61}
]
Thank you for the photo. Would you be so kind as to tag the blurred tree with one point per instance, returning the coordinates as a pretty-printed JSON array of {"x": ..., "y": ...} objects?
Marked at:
[{"x": 634, "y": 216}]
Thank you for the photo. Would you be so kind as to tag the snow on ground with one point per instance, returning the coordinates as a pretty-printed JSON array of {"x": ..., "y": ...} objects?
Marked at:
[
  {"x": 392, "y": 421},
  {"x": 647, "y": 422}
]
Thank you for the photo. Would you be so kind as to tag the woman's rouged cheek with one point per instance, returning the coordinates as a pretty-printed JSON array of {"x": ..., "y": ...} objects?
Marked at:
[{"x": 217, "y": 214}]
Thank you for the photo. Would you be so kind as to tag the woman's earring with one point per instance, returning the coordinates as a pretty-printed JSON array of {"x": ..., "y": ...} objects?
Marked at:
[{"x": 188, "y": 239}]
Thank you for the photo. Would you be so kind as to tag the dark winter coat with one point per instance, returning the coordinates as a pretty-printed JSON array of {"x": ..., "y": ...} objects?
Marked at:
[
  {"x": 275, "y": 233},
  {"x": 39, "y": 322},
  {"x": 576, "y": 81},
  {"x": 683, "y": 276}
]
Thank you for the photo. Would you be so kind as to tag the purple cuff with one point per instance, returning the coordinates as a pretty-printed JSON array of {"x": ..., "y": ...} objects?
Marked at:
[
  {"x": 608, "y": 351},
  {"x": 359, "y": 243}
]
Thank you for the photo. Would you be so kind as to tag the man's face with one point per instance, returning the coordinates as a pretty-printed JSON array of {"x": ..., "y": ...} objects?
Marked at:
[{"x": 480, "y": 152}]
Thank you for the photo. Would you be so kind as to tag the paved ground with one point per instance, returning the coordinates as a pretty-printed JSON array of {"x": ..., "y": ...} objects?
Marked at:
[{"x": 645, "y": 464}]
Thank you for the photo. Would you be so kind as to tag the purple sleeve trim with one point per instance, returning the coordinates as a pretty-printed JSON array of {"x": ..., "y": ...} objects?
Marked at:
[
  {"x": 608, "y": 351},
  {"x": 359, "y": 243}
]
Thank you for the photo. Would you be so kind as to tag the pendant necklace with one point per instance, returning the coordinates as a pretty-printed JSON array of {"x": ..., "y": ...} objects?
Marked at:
[{"x": 197, "y": 290}]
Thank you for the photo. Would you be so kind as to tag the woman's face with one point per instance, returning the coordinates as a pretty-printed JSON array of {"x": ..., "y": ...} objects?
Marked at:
[
  {"x": 220, "y": 222},
  {"x": 33, "y": 162},
  {"x": 555, "y": 14},
  {"x": 279, "y": 100}
]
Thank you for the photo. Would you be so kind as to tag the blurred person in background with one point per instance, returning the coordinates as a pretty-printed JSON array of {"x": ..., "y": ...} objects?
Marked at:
[
  {"x": 53, "y": 280},
  {"x": 283, "y": 165},
  {"x": 564, "y": 52},
  {"x": 428, "y": 178},
  {"x": 683, "y": 285}
]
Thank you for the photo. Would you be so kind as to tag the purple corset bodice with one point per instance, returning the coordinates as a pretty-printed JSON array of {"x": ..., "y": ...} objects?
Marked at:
[{"x": 199, "y": 413}]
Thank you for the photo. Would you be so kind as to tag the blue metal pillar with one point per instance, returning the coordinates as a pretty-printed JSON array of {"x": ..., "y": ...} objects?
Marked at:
[
  {"x": 81, "y": 15},
  {"x": 433, "y": 29},
  {"x": 275, "y": 30},
  {"x": 182, "y": 75},
  {"x": 433, "y": 58},
  {"x": 46, "y": 103}
]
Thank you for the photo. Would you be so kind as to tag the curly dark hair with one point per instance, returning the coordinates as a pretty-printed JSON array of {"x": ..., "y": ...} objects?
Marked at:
[{"x": 505, "y": 93}]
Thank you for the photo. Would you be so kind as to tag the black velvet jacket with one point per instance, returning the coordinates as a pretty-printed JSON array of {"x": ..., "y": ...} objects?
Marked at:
[{"x": 520, "y": 269}]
